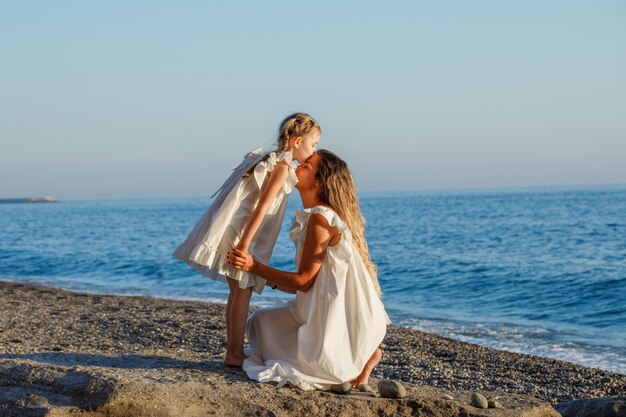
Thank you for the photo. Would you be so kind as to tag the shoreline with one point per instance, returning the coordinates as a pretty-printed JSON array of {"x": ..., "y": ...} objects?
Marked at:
[
  {"x": 270, "y": 302},
  {"x": 51, "y": 327}
]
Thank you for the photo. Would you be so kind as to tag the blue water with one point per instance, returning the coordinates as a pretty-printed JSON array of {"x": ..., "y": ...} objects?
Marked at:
[{"x": 538, "y": 271}]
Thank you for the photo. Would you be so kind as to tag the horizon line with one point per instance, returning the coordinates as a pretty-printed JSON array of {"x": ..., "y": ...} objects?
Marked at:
[{"x": 399, "y": 191}]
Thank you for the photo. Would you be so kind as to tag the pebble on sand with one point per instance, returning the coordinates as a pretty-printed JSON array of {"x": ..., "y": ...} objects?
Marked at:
[
  {"x": 344, "y": 388},
  {"x": 365, "y": 388},
  {"x": 494, "y": 404},
  {"x": 391, "y": 389},
  {"x": 479, "y": 400}
]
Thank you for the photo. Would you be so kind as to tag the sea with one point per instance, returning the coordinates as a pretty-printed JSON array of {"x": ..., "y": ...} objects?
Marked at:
[{"x": 540, "y": 271}]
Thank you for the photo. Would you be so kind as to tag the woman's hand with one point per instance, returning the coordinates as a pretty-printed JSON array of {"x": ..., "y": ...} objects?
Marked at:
[
  {"x": 241, "y": 260},
  {"x": 318, "y": 236}
]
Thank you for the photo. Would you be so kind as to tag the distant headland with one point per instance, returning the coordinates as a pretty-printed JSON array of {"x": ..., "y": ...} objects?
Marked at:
[{"x": 28, "y": 200}]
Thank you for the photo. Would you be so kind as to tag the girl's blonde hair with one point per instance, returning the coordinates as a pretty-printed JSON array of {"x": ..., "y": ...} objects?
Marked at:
[
  {"x": 297, "y": 124},
  {"x": 338, "y": 191}
]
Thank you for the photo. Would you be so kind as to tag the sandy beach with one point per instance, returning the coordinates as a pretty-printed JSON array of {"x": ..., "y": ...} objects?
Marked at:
[{"x": 67, "y": 353}]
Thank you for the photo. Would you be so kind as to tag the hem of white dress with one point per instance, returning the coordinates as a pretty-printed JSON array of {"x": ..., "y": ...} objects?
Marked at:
[
  {"x": 212, "y": 263},
  {"x": 273, "y": 371}
]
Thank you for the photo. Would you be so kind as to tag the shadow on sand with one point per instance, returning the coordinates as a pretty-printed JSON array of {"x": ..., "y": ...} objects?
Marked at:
[{"x": 164, "y": 363}]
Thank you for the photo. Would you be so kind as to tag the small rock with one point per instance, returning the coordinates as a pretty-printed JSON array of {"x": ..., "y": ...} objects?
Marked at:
[
  {"x": 447, "y": 397},
  {"x": 494, "y": 404},
  {"x": 479, "y": 400},
  {"x": 344, "y": 388},
  {"x": 391, "y": 389},
  {"x": 312, "y": 410},
  {"x": 365, "y": 388}
]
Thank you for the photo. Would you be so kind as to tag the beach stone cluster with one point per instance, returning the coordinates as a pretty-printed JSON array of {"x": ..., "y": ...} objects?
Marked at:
[{"x": 386, "y": 388}]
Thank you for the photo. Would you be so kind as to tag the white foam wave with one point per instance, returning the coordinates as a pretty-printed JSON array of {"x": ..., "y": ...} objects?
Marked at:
[{"x": 526, "y": 340}]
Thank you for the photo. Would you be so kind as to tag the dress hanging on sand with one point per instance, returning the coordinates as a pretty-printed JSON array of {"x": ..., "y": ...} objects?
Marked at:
[
  {"x": 220, "y": 228},
  {"x": 327, "y": 334}
]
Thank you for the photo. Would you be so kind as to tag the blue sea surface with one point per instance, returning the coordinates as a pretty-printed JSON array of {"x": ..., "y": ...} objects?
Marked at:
[{"x": 539, "y": 271}]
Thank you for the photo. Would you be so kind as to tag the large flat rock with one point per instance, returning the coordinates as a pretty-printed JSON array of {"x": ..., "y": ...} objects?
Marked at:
[
  {"x": 168, "y": 384},
  {"x": 595, "y": 407}
]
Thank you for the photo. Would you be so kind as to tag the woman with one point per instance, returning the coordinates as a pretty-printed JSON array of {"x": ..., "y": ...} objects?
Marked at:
[{"x": 331, "y": 332}]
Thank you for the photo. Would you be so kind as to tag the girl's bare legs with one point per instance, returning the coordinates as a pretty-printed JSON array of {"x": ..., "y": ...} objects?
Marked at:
[
  {"x": 232, "y": 285},
  {"x": 364, "y": 376},
  {"x": 237, "y": 313}
]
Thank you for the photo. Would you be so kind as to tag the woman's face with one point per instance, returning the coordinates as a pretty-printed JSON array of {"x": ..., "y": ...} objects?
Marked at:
[{"x": 306, "y": 173}]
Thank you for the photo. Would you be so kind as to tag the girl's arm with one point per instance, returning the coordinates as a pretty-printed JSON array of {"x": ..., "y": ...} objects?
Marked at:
[
  {"x": 275, "y": 182},
  {"x": 318, "y": 235}
]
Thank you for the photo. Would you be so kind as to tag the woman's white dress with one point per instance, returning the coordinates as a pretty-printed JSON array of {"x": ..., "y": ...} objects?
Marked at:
[
  {"x": 220, "y": 228},
  {"x": 327, "y": 334}
]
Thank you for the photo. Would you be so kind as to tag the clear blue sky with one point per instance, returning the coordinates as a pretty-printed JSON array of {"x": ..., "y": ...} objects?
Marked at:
[{"x": 121, "y": 99}]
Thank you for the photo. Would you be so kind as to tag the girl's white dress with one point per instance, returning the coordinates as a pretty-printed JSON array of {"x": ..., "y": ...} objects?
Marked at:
[
  {"x": 220, "y": 228},
  {"x": 327, "y": 334}
]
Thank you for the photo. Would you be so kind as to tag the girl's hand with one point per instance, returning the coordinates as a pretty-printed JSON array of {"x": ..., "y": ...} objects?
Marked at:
[{"x": 241, "y": 260}]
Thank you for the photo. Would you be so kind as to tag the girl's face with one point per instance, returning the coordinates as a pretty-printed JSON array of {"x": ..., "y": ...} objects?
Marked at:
[
  {"x": 305, "y": 146},
  {"x": 306, "y": 173}
]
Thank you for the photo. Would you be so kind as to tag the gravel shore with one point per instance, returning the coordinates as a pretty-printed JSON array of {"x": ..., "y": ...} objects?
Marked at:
[{"x": 42, "y": 325}]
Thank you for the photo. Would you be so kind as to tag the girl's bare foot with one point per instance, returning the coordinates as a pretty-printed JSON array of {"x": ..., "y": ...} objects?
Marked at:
[
  {"x": 364, "y": 376},
  {"x": 233, "y": 362}
]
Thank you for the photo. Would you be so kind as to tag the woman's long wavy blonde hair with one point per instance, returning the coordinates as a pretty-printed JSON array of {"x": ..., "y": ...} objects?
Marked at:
[{"x": 338, "y": 191}]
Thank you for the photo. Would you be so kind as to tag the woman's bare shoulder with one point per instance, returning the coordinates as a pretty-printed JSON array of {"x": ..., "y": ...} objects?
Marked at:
[{"x": 318, "y": 220}]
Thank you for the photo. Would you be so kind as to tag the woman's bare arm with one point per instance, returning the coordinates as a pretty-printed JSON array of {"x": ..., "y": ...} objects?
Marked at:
[
  {"x": 275, "y": 182},
  {"x": 318, "y": 235},
  {"x": 282, "y": 288}
]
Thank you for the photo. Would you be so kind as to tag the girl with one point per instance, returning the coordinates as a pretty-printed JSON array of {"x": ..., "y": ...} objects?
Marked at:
[
  {"x": 247, "y": 215},
  {"x": 331, "y": 332}
]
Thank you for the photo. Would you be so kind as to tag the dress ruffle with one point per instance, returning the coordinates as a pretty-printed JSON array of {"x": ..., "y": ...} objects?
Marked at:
[
  {"x": 212, "y": 263},
  {"x": 263, "y": 167},
  {"x": 301, "y": 220},
  {"x": 277, "y": 371}
]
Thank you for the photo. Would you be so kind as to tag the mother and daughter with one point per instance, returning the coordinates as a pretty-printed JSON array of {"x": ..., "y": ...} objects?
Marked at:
[{"x": 331, "y": 332}]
